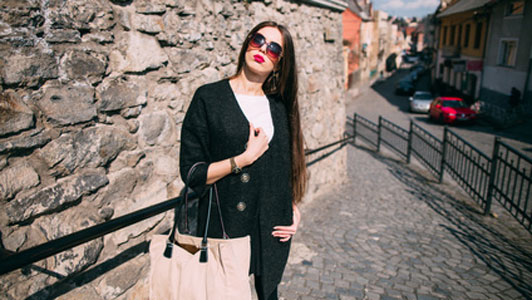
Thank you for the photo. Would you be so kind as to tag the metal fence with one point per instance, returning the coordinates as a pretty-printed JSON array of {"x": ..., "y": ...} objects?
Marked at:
[
  {"x": 506, "y": 177},
  {"x": 467, "y": 166},
  {"x": 427, "y": 149},
  {"x": 394, "y": 137},
  {"x": 368, "y": 131},
  {"x": 512, "y": 182},
  {"x": 13, "y": 261}
]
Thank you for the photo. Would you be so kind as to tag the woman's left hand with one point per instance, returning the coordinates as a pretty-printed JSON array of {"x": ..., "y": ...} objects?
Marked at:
[{"x": 286, "y": 232}]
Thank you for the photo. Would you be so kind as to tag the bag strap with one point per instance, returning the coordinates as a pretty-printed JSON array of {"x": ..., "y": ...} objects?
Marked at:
[
  {"x": 204, "y": 247},
  {"x": 190, "y": 171}
]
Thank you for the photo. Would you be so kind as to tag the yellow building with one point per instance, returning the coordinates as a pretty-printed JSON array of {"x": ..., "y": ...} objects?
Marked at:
[{"x": 463, "y": 27}]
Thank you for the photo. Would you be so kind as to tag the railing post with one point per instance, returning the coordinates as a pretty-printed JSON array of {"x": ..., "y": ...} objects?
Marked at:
[
  {"x": 443, "y": 153},
  {"x": 409, "y": 147},
  {"x": 491, "y": 184},
  {"x": 379, "y": 134},
  {"x": 354, "y": 128}
]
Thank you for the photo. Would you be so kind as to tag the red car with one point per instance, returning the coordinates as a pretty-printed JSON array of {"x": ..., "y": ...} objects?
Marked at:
[{"x": 450, "y": 110}]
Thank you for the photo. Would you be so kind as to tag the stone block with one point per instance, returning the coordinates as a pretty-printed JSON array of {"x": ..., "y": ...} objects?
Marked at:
[
  {"x": 126, "y": 159},
  {"x": 150, "y": 24},
  {"x": 14, "y": 115},
  {"x": 146, "y": 194},
  {"x": 164, "y": 92},
  {"x": 131, "y": 112},
  {"x": 156, "y": 129},
  {"x": 124, "y": 277},
  {"x": 170, "y": 35},
  {"x": 81, "y": 66},
  {"x": 119, "y": 93},
  {"x": 54, "y": 197},
  {"x": 64, "y": 223},
  {"x": 121, "y": 184},
  {"x": 19, "y": 13},
  {"x": 63, "y": 36},
  {"x": 99, "y": 37},
  {"x": 84, "y": 292},
  {"x": 142, "y": 52},
  {"x": 92, "y": 147},
  {"x": 150, "y": 6},
  {"x": 37, "y": 138},
  {"x": 15, "y": 240},
  {"x": 31, "y": 69},
  {"x": 68, "y": 104},
  {"x": 184, "y": 61},
  {"x": 17, "y": 178},
  {"x": 80, "y": 14}
]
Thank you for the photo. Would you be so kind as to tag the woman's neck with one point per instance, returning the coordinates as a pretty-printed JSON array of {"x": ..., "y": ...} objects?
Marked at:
[{"x": 247, "y": 83}]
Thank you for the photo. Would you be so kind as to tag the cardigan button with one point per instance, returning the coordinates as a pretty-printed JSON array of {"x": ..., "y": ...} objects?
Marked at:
[
  {"x": 241, "y": 206},
  {"x": 245, "y": 177}
]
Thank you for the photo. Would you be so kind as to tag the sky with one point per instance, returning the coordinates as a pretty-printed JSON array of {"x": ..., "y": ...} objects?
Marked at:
[{"x": 406, "y": 8}]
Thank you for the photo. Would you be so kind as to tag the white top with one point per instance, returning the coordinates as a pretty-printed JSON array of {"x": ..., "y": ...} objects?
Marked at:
[{"x": 257, "y": 111}]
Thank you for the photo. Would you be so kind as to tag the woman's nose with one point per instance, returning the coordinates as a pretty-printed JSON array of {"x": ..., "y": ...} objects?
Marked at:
[{"x": 264, "y": 47}]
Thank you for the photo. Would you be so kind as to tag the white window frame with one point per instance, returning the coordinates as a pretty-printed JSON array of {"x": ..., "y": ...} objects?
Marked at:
[
  {"x": 507, "y": 9},
  {"x": 500, "y": 58}
]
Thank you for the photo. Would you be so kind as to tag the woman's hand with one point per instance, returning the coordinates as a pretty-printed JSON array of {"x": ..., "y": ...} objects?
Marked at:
[
  {"x": 256, "y": 146},
  {"x": 286, "y": 232}
]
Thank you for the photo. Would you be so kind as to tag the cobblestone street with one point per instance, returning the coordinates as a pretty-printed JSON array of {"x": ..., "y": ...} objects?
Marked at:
[{"x": 393, "y": 233}]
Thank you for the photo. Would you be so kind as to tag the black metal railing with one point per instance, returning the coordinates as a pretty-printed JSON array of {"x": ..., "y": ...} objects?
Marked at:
[
  {"x": 512, "y": 182},
  {"x": 366, "y": 130},
  {"x": 394, "y": 137},
  {"x": 468, "y": 166},
  {"x": 506, "y": 177},
  {"x": 427, "y": 148},
  {"x": 25, "y": 257}
]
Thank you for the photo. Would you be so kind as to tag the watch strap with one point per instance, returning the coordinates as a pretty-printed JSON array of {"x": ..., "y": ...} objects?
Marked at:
[{"x": 234, "y": 167}]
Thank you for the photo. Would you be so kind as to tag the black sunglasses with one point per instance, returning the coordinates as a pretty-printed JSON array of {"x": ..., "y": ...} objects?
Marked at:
[{"x": 273, "y": 50}]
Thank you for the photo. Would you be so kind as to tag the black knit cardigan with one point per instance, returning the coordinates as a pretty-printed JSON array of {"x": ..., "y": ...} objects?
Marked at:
[{"x": 214, "y": 129}]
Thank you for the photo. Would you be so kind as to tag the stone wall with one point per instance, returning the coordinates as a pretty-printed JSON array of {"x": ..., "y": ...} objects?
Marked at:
[{"x": 92, "y": 97}]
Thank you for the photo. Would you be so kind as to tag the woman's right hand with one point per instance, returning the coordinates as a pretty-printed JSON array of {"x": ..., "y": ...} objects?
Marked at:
[{"x": 256, "y": 146}]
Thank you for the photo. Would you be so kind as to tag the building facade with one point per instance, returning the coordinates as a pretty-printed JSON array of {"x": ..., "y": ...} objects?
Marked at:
[
  {"x": 462, "y": 40},
  {"x": 507, "y": 63}
]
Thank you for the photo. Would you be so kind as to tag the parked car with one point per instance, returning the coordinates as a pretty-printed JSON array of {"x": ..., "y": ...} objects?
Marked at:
[
  {"x": 420, "y": 102},
  {"x": 411, "y": 59},
  {"x": 450, "y": 110},
  {"x": 417, "y": 71},
  {"x": 404, "y": 87}
]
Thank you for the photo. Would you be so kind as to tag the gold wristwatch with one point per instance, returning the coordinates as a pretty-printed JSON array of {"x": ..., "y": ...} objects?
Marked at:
[{"x": 234, "y": 168}]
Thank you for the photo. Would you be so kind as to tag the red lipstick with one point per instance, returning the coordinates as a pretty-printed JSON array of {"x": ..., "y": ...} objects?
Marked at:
[{"x": 258, "y": 58}]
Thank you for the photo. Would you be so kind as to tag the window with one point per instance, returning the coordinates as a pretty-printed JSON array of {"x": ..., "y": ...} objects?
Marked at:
[
  {"x": 515, "y": 8},
  {"x": 444, "y": 41},
  {"x": 507, "y": 52},
  {"x": 478, "y": 34},
  {"x": 467, "y": 31},
  {"x": 453, "y": 29},
  {"x": 459, "y": 41}
]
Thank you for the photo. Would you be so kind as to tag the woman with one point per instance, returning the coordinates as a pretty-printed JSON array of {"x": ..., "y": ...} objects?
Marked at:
[{"x": 248, "y": 131}]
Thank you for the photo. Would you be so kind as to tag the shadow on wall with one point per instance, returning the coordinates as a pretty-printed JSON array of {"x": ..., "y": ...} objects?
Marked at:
[
  {"x": 72, "y": 282},
  {"x": 471, "y": 228}
]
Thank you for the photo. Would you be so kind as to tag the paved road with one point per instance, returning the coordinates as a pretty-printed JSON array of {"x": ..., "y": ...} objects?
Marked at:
[
  {"x": 381, "y": 100},
  {"x": 393, "y": 234}
]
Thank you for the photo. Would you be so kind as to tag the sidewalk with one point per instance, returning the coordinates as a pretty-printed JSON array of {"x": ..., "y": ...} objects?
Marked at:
[{"x": 393, "y": 233}]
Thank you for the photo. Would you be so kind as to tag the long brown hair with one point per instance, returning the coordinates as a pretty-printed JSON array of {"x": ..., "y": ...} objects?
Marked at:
[{"x": 284, "y": 84}]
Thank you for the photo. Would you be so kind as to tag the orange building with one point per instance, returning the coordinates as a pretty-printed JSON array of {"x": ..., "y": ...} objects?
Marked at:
[{"x": 351, "y": 39}]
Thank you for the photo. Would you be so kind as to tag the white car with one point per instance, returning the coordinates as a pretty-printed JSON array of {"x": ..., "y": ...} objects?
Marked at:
[{"x": 420, "y": 102}]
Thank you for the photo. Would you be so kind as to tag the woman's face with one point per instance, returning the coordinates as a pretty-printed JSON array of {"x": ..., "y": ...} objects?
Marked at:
[{"x": 262, "y": 59}]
